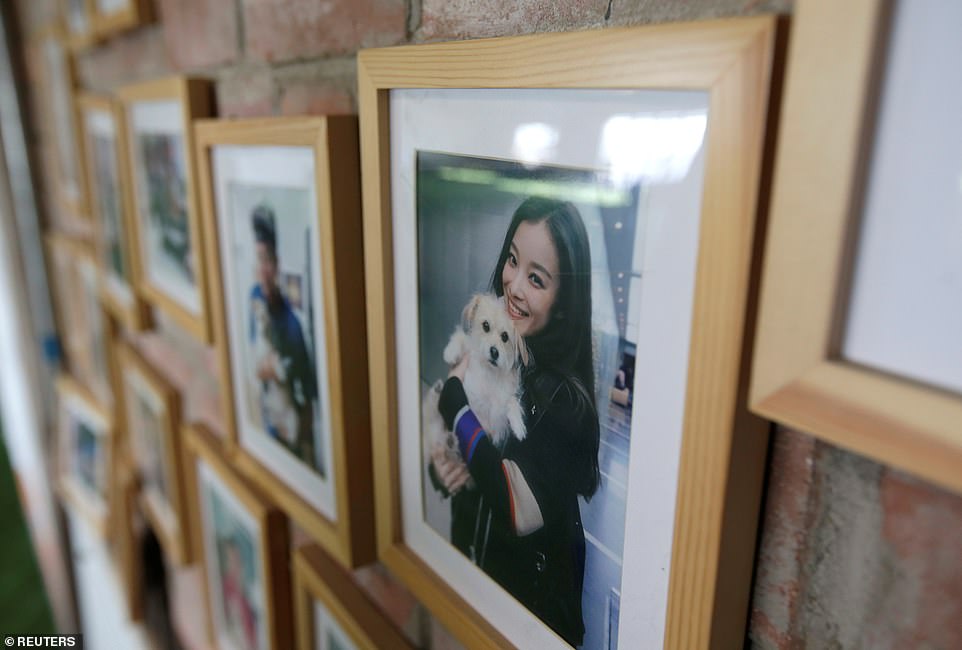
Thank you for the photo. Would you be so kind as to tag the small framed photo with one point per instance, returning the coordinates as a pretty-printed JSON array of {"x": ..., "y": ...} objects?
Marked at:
[
  {"x": 87, "y": 449},
  {"x": 861, "y": 295},
  {"x": 85, "y": 328},
  {"x": 114, "y": 16},
  {"x": 78, "y": 20},
  {"x": 243, "y": 544},
  {"x": 151, "y": 410},
  {"x": 281, "y": 205},
  {"x": 332, "y": 613},
  {"x": 109, "y": 184},
  {"x": 557, "y": 310},
  {"x": 59, "y": 77},
  {"x": 159, "y": 119}
]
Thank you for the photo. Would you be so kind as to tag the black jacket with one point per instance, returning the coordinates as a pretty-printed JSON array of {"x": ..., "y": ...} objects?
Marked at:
[{"x": 544, "y": 570}]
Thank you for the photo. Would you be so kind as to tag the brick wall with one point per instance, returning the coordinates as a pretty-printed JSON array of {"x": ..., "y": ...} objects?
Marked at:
[{"x": 851, "y": 554}]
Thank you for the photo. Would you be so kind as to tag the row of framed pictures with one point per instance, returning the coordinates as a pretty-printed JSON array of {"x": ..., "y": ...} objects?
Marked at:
[
  {"x": 248, "y": 234},
  {"x": 612, "y": 209},
  {"x": 143, "y": 464}
]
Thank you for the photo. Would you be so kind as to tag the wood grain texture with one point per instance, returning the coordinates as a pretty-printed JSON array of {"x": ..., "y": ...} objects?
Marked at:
[
  {"x": 333, "y": 140},
  {"x": 718, "y": 492},
  {"x": 196, "y": 100},
  {"x": 200, "y": 445},
  {"x": 318, "y": 577},
  {"x": 798, "y": 378}
]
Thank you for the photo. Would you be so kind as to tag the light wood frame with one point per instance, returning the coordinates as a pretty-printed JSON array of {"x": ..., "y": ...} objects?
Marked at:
[
  {"x": 97, "y": 514},
  {"x": 202, "y": 445},
  {"x": 134, "y": 314},
  {"x": 64, "y": 257},
  {"x": 318, "y": 577},
  {"x": 77, "y": 40},
  {"x": 799, "y": 377},
  {"x": 349, "y": 538},
  {"x": 75, "y": 207},
  {"x": 196, "y": 100},
  {"x": 173, "y": 536},
  {"x": 61, "y": 253},
  {"x": 127, "y": 536},
  {"x": 723, "y": 447},
  {"x": 136, "y": 14}
]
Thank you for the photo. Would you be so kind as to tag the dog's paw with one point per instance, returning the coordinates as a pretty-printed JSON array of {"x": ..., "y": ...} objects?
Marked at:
[
  {"x": 454, "y": 350},
  {"x": 516, "y": 420}
]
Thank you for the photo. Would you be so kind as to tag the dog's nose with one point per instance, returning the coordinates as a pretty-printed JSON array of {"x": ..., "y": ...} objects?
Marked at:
[{"x": 494, "y": 353}]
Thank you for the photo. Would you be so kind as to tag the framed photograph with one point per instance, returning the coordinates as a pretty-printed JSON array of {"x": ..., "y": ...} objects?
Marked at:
[
  {"x": 332, "y": 613},
  {"x": 159, "y": 119},
  {"x": 84, "y": 326},
  {"x": 243, "y": 543},
  {"x": 556, "y": 322},
  {"x": 861, "y": 308},
  {"x": 68, "y": 183},
  {"x": 86, "y": 453},
  {"x": 151, "y": 408},
  {"x": 114, "y": 16},
  {"x": 104, "y": 145},
  {"x": 78, "y": 21},
  {"x": 281, "y": 204}
]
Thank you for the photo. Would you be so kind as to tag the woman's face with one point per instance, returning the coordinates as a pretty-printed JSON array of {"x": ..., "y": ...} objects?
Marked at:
[{"x": 530, "y": 277}]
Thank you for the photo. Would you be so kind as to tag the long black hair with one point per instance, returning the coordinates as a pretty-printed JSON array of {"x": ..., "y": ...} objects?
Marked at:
[{"x": 564, "y": 346}]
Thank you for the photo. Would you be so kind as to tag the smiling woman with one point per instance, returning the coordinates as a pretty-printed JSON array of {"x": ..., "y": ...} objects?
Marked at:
[{"x": 515, "y": 506}]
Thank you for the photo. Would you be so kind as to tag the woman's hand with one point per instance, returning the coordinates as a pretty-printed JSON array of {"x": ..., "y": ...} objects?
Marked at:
[
  {"x": 451, "y": 472},
  {"x": 458, "y": 369}
]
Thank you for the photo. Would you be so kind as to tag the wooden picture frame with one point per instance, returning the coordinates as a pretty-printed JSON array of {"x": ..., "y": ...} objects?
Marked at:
[
  {"x": 104, "y": 137},
  {"x": 78, "y": 406},
  {"x": 204, "y": 453},
  {"x": 156, "y": 450},
  {"x": 127, "y": 536},
  {"x": 77, "y": 17},
  {"x": 722, "y": 448},
  {"x": 84, "y": 326},
  {"x": 171, "y": 273},
  {"x": 336, "y": 511},
  {"x": 61, "y": 253},
  {"x": 800, "y": 376},
  {"x": 318, "y": 578},
  {"x": 68, "y": 183},
  {"x": 109, "y": 21}
]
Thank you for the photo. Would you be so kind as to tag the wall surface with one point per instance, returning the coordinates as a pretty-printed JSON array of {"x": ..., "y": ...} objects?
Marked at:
[{"x": 851, "y": 554}]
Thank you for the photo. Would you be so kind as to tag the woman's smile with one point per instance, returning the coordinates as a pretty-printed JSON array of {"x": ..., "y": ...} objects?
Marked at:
[{"x": 530, "y": 278}]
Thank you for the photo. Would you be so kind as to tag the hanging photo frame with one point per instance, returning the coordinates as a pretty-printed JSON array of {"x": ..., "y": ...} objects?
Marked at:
[{"x": 608, "y": 210}]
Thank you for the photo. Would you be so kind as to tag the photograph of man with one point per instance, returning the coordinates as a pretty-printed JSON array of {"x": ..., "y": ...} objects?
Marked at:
[{"x": 285, "y": 382}]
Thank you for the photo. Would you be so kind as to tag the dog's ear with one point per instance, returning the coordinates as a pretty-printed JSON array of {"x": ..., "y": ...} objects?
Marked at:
[
  {"x": 470, "y": 309},
  {"x": 522, "y": 349}
]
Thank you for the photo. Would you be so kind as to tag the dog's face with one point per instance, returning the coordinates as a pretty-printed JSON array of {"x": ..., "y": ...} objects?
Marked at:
[{"x": 492, "y": 334}]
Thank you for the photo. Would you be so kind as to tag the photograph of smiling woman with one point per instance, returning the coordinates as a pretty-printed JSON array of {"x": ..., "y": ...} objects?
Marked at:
[{"x": 542, "y": 514}]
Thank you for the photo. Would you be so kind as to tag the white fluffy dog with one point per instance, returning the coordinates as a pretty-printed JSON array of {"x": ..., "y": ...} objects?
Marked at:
[
  {"x": 278, "y": 407},
  {"x": 492, "y": 380}
]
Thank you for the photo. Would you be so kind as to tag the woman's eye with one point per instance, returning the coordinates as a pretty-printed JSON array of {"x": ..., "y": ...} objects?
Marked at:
[
  {"x": 537, "y": 281},
  {"x": 485, "y": 326},
  {"x": 512, "y": 260},
  {"x": 504, "y": 336}
]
